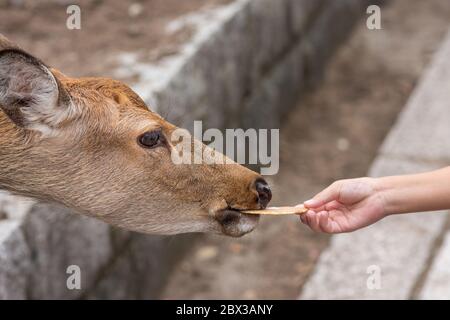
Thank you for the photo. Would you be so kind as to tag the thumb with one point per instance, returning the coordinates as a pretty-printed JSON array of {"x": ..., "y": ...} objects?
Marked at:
[{"x": 329, "y": 194}]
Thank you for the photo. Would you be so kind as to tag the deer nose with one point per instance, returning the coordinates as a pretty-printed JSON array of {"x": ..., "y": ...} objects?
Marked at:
[{"x": 264, "y": 192}]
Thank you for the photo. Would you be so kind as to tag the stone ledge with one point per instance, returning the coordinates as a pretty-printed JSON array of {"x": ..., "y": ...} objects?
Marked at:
[
  {"x": 14, "y": 258},
  {"x": 422, "y": 131},
  {"x": 437, "y": 282}
]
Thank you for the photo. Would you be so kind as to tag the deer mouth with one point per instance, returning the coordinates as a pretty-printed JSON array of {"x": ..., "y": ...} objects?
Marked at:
[{"x": 235, "y": 223}]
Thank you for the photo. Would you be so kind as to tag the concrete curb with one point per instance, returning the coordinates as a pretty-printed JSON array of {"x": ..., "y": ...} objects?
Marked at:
[
  {"x": 243, "y": 67},
  {"x": 401, "y": 246},
  {"x": 437, "y": 286}
]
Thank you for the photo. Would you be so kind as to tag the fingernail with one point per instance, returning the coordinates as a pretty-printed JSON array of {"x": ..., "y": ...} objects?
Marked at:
[{"x": 310, "y": 203}]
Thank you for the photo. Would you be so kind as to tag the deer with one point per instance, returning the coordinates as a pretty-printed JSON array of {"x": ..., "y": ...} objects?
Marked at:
[{"x": 93, "y": 145}]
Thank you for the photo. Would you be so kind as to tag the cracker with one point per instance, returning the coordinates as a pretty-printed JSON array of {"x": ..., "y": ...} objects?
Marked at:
[{"x": 278, "y": 210}]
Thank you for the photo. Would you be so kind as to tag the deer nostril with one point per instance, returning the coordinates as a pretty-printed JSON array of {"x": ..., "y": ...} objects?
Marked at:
[{"x": 264, "y": 192}]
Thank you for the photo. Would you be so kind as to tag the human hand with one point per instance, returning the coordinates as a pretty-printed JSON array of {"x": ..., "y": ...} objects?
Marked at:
[{"x": 345, "y": 206}]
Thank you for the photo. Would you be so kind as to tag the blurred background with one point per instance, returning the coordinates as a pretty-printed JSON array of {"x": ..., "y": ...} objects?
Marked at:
[{"x": 313, "y": 69}]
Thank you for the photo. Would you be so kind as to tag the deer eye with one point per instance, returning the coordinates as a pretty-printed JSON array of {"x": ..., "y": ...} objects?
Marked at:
[{"x": 151, "y": 139}]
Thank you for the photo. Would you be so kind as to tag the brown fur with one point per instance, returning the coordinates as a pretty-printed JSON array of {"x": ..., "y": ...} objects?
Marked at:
[{"x": 91, "y": 161}]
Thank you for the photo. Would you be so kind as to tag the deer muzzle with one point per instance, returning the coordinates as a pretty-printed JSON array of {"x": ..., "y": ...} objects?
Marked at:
[{"x": 235, "y": 223}]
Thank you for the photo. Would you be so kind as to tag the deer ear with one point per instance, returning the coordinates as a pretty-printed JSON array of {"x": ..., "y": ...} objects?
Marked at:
[{"x": 30, "y": 94}]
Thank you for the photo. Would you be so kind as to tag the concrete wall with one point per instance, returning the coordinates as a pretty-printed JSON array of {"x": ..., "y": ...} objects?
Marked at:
[{"x": 245, "y": 66}]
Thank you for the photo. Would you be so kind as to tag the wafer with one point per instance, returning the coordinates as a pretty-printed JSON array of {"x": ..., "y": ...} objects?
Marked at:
[{"x": 278, "y": 210}]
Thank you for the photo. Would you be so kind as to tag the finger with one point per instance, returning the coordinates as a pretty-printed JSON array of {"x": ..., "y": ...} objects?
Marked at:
[
  {"x": 309, "y": 213},
  {"x": 307, "y": 217},
  {"x": 325, "y": 223},
  {"x": 325, "y": 196},
  {"x": 313, "y": 220},
  {"x": 302, "y": 218},
  {"x": 333, "y": 205}
]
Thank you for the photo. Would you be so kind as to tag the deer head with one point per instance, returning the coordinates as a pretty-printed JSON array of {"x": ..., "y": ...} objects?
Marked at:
[{"x": 93, "y": 145}]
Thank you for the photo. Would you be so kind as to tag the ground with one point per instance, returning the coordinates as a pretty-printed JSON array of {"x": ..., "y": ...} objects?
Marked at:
[
  {"x": 107, "y": 28},
  {"x": 333, "y": 133}
]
